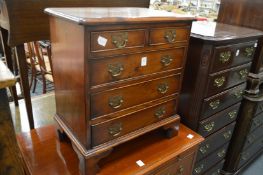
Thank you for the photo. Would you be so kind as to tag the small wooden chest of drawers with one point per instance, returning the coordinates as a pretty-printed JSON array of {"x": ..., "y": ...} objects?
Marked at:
[
  {"x": 117, "y": 74},
  {"x": 214, "y": 82}
]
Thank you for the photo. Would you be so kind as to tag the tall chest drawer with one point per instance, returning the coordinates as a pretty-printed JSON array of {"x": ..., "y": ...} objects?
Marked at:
[{"x": 216, "y": 170}]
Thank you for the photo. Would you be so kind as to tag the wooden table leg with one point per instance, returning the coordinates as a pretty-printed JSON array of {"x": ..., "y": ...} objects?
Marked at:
[
  {"x": 11, "y": 162},
  {"x": 21, "y": 57},
  {"x": 8, "y": 55}
]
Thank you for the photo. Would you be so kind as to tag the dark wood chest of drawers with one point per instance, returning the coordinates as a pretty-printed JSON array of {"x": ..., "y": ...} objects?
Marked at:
[
  {"x": 117, "y": 75},
  {"x": 215, "y": 80}
]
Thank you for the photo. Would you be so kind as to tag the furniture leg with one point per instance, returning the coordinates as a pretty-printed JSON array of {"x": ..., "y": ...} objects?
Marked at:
[
  {"x": 21, "y": 57},
  {"x": 8, "y": 55},
  {"x": 89, "y": 166}
]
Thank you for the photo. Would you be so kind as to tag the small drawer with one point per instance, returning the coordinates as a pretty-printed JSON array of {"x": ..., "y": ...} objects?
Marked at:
[
  {"x": 256, "y": 122},
  {"x": 219, "y": 120},
  {"x": 222, "y": 80},
  {"x": 135, "y": 94},
  {"x": 259, "y": 108},
  {"x": 117, "y": 40},
  {"x": 254, "y": 136},
  {"x": 216, "y": 170},
  {"x": 221, "y": 101},
  {"x": 131, "y": 66},
  {"x": 247, "y": 154},
  {"x": 113, "y": 129},
  {"x": 214, "y": 141},
  {"x": 181, "y": 167},
  {"x": 159, "y": 36},
  {"x": 210, "y": 161},
  {"x": 232, "y": 55}
]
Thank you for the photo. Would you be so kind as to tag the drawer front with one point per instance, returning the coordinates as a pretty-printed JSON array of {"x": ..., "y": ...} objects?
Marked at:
[
  {"x": 232, "y": 55},
  {"x": 259, "y": 108},
  {"x": 223, "y": 80},
  {"x": 247, "y": 154},
  {"x": 211, "y": 160},
  {"x": 216, "y": 169},
  {"x": 254, "y": 136},
  {"x": 113, "y": 40},
  {"x": 131, "y": 66},
  {"x": 256, "y": 122},
  {"x": 113, "y": 129},
  {"x": 219, "y": 120},
  {"x": 159, "y": 36},
  {"x": 116, "y": 99},
  {"x": 182, "y": 167},
  {"x": 214, "y": 141},
  {"x": 221, "y": 101}
]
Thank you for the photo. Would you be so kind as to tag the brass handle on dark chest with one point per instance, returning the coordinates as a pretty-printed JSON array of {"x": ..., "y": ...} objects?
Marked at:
[
  {"x": 225, "y": 56},
  {"x": 120, "y": 40},
  {"x": 199, "y": 169},
  {"x": 214, "y": 104},
  {"x": 218, "y": 82},
  {"x": 163, "y": 88},
  {"x": 221, "y": 153},
  {"x": 115, "y": 69},
  {"x": 160, "y": 112},
  {"x": 227, "y": 134},
  {"x": 203, "y": 149},
  {"x": 116, "y": 102},
  {"x": 209, "y": 127},
  {"x": 243, "y": 74},
  {"x": 170, "y": 36},
  {"x": 249, "y": 51},
  {"x": 180, "y": 170},
  {"x": 239, "y": 93},
  {"x": 232, "y": 114},
  {"x": 216, "y": 172},
  {"x": 115, "y": 129},
  {"x": 166, "y": 60}
]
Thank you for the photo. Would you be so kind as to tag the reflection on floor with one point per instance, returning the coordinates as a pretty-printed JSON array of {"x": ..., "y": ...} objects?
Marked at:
[{"x": 44, "y": 110}]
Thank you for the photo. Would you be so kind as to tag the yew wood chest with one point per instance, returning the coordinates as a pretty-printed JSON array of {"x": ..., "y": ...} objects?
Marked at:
[
  {"x": 215, "y": 79},
  {"x": 117, "y": 74}
]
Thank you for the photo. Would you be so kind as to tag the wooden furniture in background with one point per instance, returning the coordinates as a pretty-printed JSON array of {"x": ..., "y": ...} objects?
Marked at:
[
  {"x": 43, "y": 154},
  {"x": 117, "y": 75},
  {"x": 20, "y": 23},
  {"x": 215, "y": 78},
  {"x": 10, "y": 157}
]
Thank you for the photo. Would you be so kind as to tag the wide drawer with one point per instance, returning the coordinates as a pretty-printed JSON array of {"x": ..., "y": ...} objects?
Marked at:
[
  {"x": 254, "y": 136},
  {"x": 216, "y": 170},
  {"x": 181, "y": 167},
  {"x": 214, "y": 141},
  {"x": 221, "y": 101},
  {"x": 232, "y": 55},
  {"x": 135, "y": 94},
  {"x": 160, "y": 36},
  {"x": 121, "y": 39},
  {"x": 247, "y": 154},
  {"x": 115, "y": 128},
  {"x": 222, "y": 80},
  {"x": 131, "y": 66},
  {"x": 256, "y": 122},
  {"x": 211, "y": 160},
  {"x": 219, "y": 120}
]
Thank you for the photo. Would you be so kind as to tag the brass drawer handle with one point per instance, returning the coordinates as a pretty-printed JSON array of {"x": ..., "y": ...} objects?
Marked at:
[
  {"x": 232, "y": 114},
  {"x": 170, "y": 36},
  {"x": 225, "y": 56},
  {"x": 115, "y": 69},
  {"x": 163, "y": 88},
  {"x": 218, "y": 82},
  {"x": 249, "y": 51},
  {"x": 209, "y": 127},
  {"x": 160, "y": 112},
  {"x": 120, "y": 40},
  {"x": 203, "y": 149},
  {"x": 239, "y": 93},
  {"x": 227, "y": 135},
  {"x": 243, "y": 74},
  {"x": 116, "y": 102},
  {"x": 221, "y": 153},
  {"x": 115, "y": 129},
  {"x": 180, "y": 171},
  {"x": 216, "y": 172},
  {"x": 214, "y": 104},
  {"x": 199, "y": 169},
  {"x": 166, "y": 60}
]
